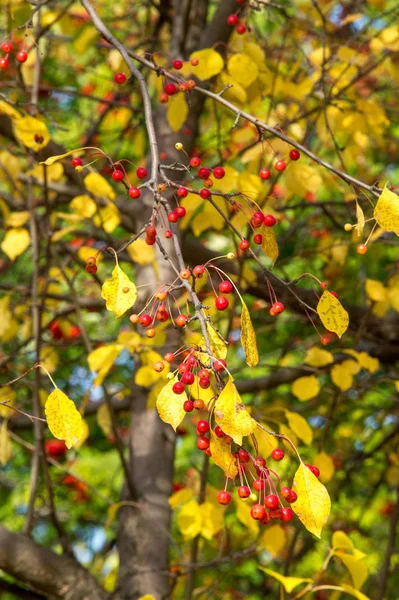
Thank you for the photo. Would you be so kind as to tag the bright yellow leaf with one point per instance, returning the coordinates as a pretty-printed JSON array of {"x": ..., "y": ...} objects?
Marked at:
[
  {"x": 375, "y": 290},
  {"x": 248, "y": 337},
  {"x": 15, "y": 242},
  {"x": 231, "y": 414},
  {"x": 119, "y": 292},
  {"x": 317, "y": 357},
  {"x": 52, "y": 159},
  {"x": 325, "y": 464},
  {"x": 341, "y": 541},
  {"x": 141, "y": 253},
  {"x": 5, "y": 444},
  {"x": 84, "y": 206},
  {"x": 332, "y": 314},
  {"x": 212, "y": 516},
  {"x": 104, "y": 419},
  {"x": 31, "y": 132},
  {"x": 313, "y": 505},
  {"x": 97, "y": 185},
  {"x": 9, "y": 110},
  {"x": 180, "y": 497},
  {"x": 17, "y": 219},
  {"x": 274, "y": 540},
  {"x": 8, "y": 325},
  {"x": 63, "y": 418},
  {"x": 101, "y": 360},
  {"x": 210, "y": 63},
  {"x": 350, "y": 590},
  {"x": 360, "y": 220},
  {"x": 386, "y": 211},
  {"x": 300, "y": 427},
  {"x": 7, "y": 394},
  {"x": 222, "y": 457},
  {"x": 243, "y": 69},
  {"x": 177, "y": 111},
  {"x": 49, "y": 358},
  {"x": 305, "y": 388},
  {"x": 189, "y": 519},
  {"x": 357, "y": 568},
  {"x": 269, "y": 243},
  {"x": 170, "y": 405},
  {"x": 288, "y": 583},
  {"x": 342, "y": 374},
  {"x": 108, "y": 218}
]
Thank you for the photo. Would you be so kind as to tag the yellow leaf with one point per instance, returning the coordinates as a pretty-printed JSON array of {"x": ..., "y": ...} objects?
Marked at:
[
  {"x": 104, "y": 419},
  {"x": 8, "y": 325},
  {"x": 288, "y": 583},
  {"x": 98, "y": 186},
  {"x": 317, "y": 357},
  {"x": 222, "y": 457},
  {"x": 170, "y": 405},
  {"x": 84, "y": 206},
  {"x": 305, "y": 388},
  {"x": 119, "y": 292},
  {"x": 350, "y": 590},
  {"x": 212, "y": 516},
  {"x": 84, "y": 435},
  {"x": 243, "y": 69},
  {"x": 146, "y": 376},
  {"x": 342, "y": 374},
  {"x": 248, "y": 337},
  {"x": 210, "y": 63},
  {"x": 7, "y": 394},
  {"x": 85, "y": 252},
  {"x": 325, "y": 464},
  {"x": 147, "y": 597},
  {"x": 17, "y": 219},
  {"x": 7, "y": 109},
  {"x": 218, "y": 346},
  {"x": 52, "y": 159},
  {"x": 101, "y": 360},
  {"x": 231, "y": 414},
  {"x": 5, "y": 444},
  {"x": 376, "y": 291},
  {"x": 141, "y": 253},
  {"x": 386, "y": 211},
  {"x": 274, "y": 540},
  {"x": 49, "y": 358},
  {"x": 63, "y": 419},
  {"x": 15, "y": 242},
  {"x": 244, "y": 516},
  {"x": 28, "y": 129},
  {"x": 365, "y": 360},
  {"x": 177, "y": 111},
  {"x": 360, "y": 220},
  {"x": 53, "y": 173},
  {"x": 300, "y": 427},
  {"x": 313, "y": 505},
  {"x": 180, "y": 497},
  {"x": 189, "y": 519},
  {"x": 341, "y": 541},
  {"x": 108, "y": 218},
  {"x": 269, "y": 244},
  {"x": 250, "y": 185},
  {"x": 332, "y": 314},
  {"x": 357, "y": 568}
]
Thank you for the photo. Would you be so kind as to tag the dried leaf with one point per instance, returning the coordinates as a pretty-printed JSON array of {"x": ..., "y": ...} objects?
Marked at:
[
  {"x": 119, "y": 292},
  {"x": 248, "y": 338},
  {"x": 63, "y": 419},
  {"x": 332, "y": 314},
  {"x": 231, "y": 414},
  {"x": 269, "y": 243},
  {"x": 222, "y": 457},
  {"x": 170, "y": 405},
  {"x": 313, "y": 505},
  {"x": 386, "y": 211}
]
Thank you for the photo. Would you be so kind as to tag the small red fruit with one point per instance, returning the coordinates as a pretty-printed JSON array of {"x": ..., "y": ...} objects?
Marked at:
[
  {"x": 325, "y": 340},
  {"x": 244, "y": 491},
  {"x": 181, "y": 320},
  {"x": 199, "y": 404},
  {"x": 278, "y": 308},
  {"x": 185, "y": 274},
  {"x": 240, "y": 29},
  {"x": 141, "y": 173},
  {"x": 264, "y": 174},
  {"x": 168, "y": 234},
  {"x": 203, "y": 426},
  {"x": 188, "y": 406},
  {"x": 257, "y": 219},
  {"x": 219, "y": 432},
  {"x": 205, "y": 193},
  {"x": 232, "y": 20},
  {"x": 218, "y": 173},
  {"x": 76, "y": 162},
  {"x": 258, "y": 512},
  {"x": 178, "y": 388},
  {"x": 3, "y": 62},
  {"x": 204, "y": 383},
  {"x": 134, "y": 192},
  {"x": 361, "y": 249},
  {"x": 280, "y": 165},
  {"x": 244, "y": 245},
  {"x": 159, "y": 366},
  {"x": 259, "y": 484},
  {"x": 173, "y": 217},
  {"x": 203, "y": 373},
  {"x": 225, "y": 287},
  {"x": 198, "y": 271},
  {"x": 260, "y": 462},
  {"x": 277, "y": 454},
  {"x": 188, "y": 379},
  {"x": 258, "y": 238},
  {"x": 151, "y": 231},
  {"x": 287, "y": 514},
  {"x": 169, "y": 357},
  {"x": 145, "y": 320},
  {"x": 314, "y": 470},
  {"x": 120, "y": 78},
  {"x": 163, "y": 98},
  {"x": 195, "y": 162},
  {"x": 21, "y": 56},
  {"x": 170, "y": 89},
  {"x": 180, "y": 211},
  {"x": 223, "y": 497},
  {"x": 202, "y": 443},
  {"x": 203, "y": 172},
  {"x": 243, "y": 456},
  {"x": 177, "y": 64},
  {"x": 295, "y": 154},
  {"x": 151, "y": 332},
  {"x": 334, "y": 294},
  {"x": 269, "y": 220},
  {"x": 182, "y": 192},
  {"x": 117, "y": 175},
  {"x": 6, "y": 47},
  {"x": 221, "y": 303},
  {"x": 271, "y": 501},
  {"x": 219, "y": 364}
]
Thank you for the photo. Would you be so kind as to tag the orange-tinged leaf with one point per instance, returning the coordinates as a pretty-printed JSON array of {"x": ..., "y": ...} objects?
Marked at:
[
  {"x": 222, "y": 457},
  {"x": 332, "y": 314},
  {"x": 386, "y": 211},
  {"x": 288, "y": 583},
  {"x": 170, "y": 405},
  {"x": 248, "y": 338},
  {"x": 63, "y": 418},
  {"x": 269, "y": 243},
  {"x": 313, "y": 505},
  {"x": 29, "y": 129},
  {"x": 231, "y": 414},
  {"x": 15, "y": 242},
  {"x": 119, "y": 292},
  {"x": 306, "y": 387},
  {"x": 177, "y": 111}
]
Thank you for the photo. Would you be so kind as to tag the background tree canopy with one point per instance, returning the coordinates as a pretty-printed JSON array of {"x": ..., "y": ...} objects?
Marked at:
[{"x": 199, "y": 299}]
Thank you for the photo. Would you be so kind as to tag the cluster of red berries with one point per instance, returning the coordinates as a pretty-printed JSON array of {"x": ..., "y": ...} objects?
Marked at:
[
  {"x": 234, "y": 21},
  {"x": 80, "y": 488},
  {"x": 158, "y": 312},
  {"x": 280, "y": 165},
  {"x": 57, "y": 332},
  {"x": 91, "y": 266},
  {"x": 6, "y": 48},
  {"x": 170, "y": 89}
]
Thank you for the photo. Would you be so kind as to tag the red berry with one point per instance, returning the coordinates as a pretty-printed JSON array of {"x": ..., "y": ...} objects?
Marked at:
[
  {"x": 221, "y": 303},
  {"x": 280, "y": 165},
  {"x": 178, "y": 388},
  {"x": 163, "y": 98},
  {"x": 277, "y": 454},
  {"x": 218, "y": 173},
  {"x": 168, "y": 234},
  {"x": 286, "y": 514},
  {"x": 21, "y": 56},
  {"x": 271, "y": 501},
  {"x": 232, "y": 20},
  {"x": 266, "y": 519},
  {"x": 3, "y": 62},
  {"x": 173, "y": 217},
  {"x": 203, "y": 172},
  {"x": 334, "y": 294},
  {"x": 181, "y": 320},
  {"x": 269, "y": 220},
  {"x": 182, "y": 192},
  {"x": 180, "y": 211},
  {"x": 361, "y": 249},
  {"x": 223, "y": 497},
  {"x": 56, "y": 448},
  {"x": 202, "y": 443},
  {"x": 275, "y": 513},
  {"x": 151, "y": 231},
  {"x": 204, "y": 373},
  {"x": 177, "y": 64},
  {"x": 198, "y": 271},
  {"x": 204, "y": 383},
  {"x": 264, "y": 174},
  {"x": 259, "y": 484},
  {"x": 199, "y": 404},
  {"x": 258, "y": 512},
  {"x": 219, "y": 364},
  {"x": 145, "y": 320},
  {"x": 219, "y": 432},
  {"x": 314, "y": 470},
  {"x": 188, "y": 379},
  {"x": 169, "y": 357},
  {"x": 225, "y": 287},
  {"x": 195, "y": 162},
  {"x": 76, "y": 162},
  {"x": 295, "y": 154},
  {"x": 325, "y": 340},
  {"x": 141, "y": 173},
  {"x": 203, "y": 426},
  {"x": 260, "y": 462},
  {"x": 188, "y": 406},
  {"x": 170, "y": 89},
  {"x": 244, "y": 491},
  {"x": 243, "y": 456},
  {"x": 117, "y": 175},
  {"x": 134, "y": 192},
  {"x": 6, "y": 47},
  {"x": 205, "y": 193},
  {"x": 240, "y": 29},
  {"x": 286, "y": 492},
  {"x": 278, "y": 307},
  {"x": 293, "y": 497},
  {"x": 244, "y": 245},
  {"x": 258, "y": 238},
  {"x": 257, "y": 219},
  {"x": 120, "y": 78}
]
